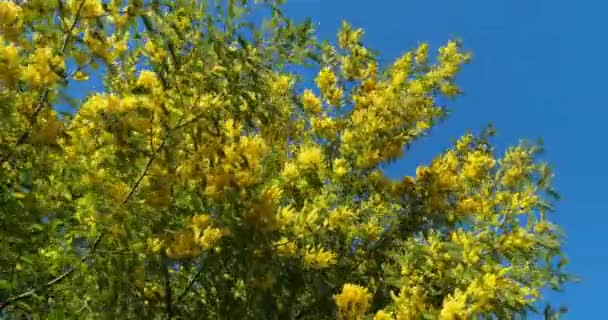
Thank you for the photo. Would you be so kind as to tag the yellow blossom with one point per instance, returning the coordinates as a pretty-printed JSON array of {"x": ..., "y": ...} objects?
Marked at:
[
  {"x": 290, "y": 171},
  {"x": 319, "y": 258},
  {"x": 282, "y": 84},
  {"x": 352, "y": 302},
  {"x": 340, "y": 167},
  {"x": 311, "y": 157},
  {"x": 383, "y": 315},
  {"x": 477, "y": 164},
  {"x": 201, "y": 221},
  {"x": 155, "y": 244},
  {"x": 9, "y": 12},
  {"x": 210, "y": 237},
  {"x": 311, "y": 102},
  {"x": 454, "y": 306},
  {"x": 285, "y": 247},
  {"x": 147, "y": 79},
  {"x": 81, "y": 76},
  {"x": 422, "y": 53}
]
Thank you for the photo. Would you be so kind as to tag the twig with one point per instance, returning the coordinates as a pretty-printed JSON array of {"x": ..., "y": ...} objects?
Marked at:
[
  {"x": 190, "y": 284},
  {"x": 168, "y": 298},
  {"x": 31, "y": 292}
]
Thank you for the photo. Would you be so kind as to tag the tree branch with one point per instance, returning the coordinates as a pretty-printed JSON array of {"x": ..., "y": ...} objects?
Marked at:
[
  {"x": 31, "y": 292},
  {"x": 93, "y": 250},
  {"x": 190, "y": 284},
  {"x": 168, "y": 298}
]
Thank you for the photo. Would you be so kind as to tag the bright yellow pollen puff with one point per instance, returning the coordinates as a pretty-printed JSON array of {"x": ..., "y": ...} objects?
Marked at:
[
  {"x": 44, "y": 68},
  {"x": 282, "y": 84},
  {"x": 9, "y": 12},
  {"x": 326, "y": 80},
  {"x": 311, "y": 102},
  {"x": 210, "y": 237},
  {"x": 352, "y": 302},
  {"x": 340, "y": 167},
  {"x": 10, "y": 64},
  {"x": 147, "y": 79},
  {"x": 201, "y": 221},
  {"x": 454, "y": 306},
  {"x": 327, "y": 83},
  {"x": 311, "y": 157},
  {"x": 383, "y": 315},
  {"x": 89, "y": 9},
  {"x": 81, "y": 76},
  {"x": 290, "y": 172},
  {"x": 477, "y": 164},
  {"x": 422, "y": 53},
  {"x": 155, "y": 245}
]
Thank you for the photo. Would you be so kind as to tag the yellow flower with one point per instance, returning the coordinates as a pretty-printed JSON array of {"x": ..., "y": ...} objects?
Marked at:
[
  {"x": 43, "y": 68},
  {"x": 338, "y": 217},
  {"x": 9, "y": 12},
  {"x": 326, "y": 80},
  {"x": 81, "y": 76},
  {"x": 9, "y": 64},
  {"x": 352, "y": 302},
  {"x": 119, "y": 191},
  {"x": 210, "y": 237},
  {"x": 454, "y": 306},
  {"x": 383, "y": 315},
  {"x": 290, "y": 172},
  {"x": 281, "y": 84},
  {"x": 340, "y": 167},
  {"x": 88, "y": 9},
  {"x": 310, "y": 157},
  {"x": 319, "y": 258},
  {"x": 147, "y": 79},
  {"x": 286, "y": 215},
  {"x": 155, "y": 244},
  {"x": 311, "y": 102},
  {"x": 422, "y": 53},
  {"x": 285, "y": 247},
  {"x": 327, "y": 83},
  {"x": 201, "y": 221},
  {"x": 477, "y": 164},
  {"x": 128, "y": 103}
]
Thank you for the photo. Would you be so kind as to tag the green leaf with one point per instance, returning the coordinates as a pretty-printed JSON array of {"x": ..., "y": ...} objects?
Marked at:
[{"x": 5, "y": 285}]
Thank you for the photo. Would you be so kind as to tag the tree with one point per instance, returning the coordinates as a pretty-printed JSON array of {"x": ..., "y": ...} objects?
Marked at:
[{"x": 207, "y": 178}]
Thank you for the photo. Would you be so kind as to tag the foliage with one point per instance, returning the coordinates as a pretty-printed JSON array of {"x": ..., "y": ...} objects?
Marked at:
[{"x": 208, "y": 179}]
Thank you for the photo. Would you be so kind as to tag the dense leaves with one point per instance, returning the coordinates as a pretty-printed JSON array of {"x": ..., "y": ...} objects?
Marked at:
[{"x": 208, "y": 179}]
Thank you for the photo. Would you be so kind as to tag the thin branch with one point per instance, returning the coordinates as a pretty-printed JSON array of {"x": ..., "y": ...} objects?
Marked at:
[
  {"x": 190, "y": 284},
  {"x": 31, "y": 292},
  {"x": 168, "y": 298},
  {"x": 93, "y": 250}
]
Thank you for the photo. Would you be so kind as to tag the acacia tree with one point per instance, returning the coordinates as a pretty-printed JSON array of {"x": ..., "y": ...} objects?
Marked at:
[{"x": 207, "y": 179}]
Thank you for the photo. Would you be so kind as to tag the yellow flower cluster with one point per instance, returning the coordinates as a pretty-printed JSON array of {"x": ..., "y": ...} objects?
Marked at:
[
  {"x": 44, "y": 68},
  {"x": 88, "y": 8},
  {"x": 319, "y": 258},
  {"x": 10, "y": 66},
  {"x": 311, "y": 157},
  {"x": 352, "y": 302},
  {"x": 327, "y": 83}
]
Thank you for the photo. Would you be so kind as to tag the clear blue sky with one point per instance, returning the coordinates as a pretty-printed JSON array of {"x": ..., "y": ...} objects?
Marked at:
[{"x": 539, "y": 70}]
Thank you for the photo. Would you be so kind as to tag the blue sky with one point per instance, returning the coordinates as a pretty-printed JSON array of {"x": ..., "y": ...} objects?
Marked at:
[{"x": 538, "y": 70}]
